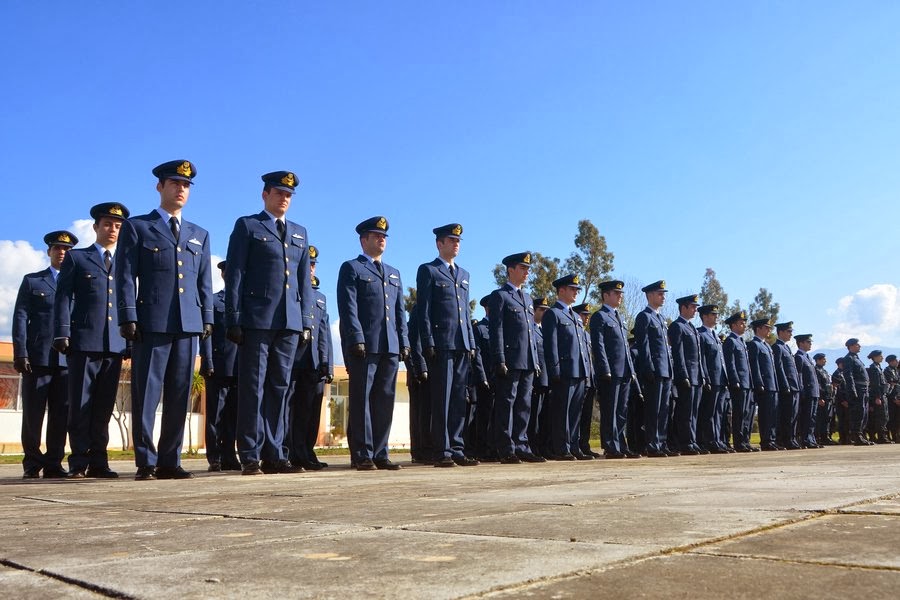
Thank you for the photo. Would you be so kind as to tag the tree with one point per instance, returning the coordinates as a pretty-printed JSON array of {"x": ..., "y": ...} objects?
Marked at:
[
  {"x": 762, "y": 306},
  {"x": 544, "y": 271},
  {"x": 591, "y": 261},
  {"x": 409, "y": 300},
  {"x": 500, "y": 274},
  {"x": 711, "y": 291}
]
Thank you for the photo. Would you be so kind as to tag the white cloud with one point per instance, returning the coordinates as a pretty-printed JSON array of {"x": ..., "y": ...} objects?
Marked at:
[
  {"x": 336, "y": 342},
  {"x": 217, "y": 282},
  {"x": 871, "y": 314},
  {"x": 16, "y": 260}
]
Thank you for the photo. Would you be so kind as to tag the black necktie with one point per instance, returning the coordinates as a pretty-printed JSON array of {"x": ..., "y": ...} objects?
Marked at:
[
  {"x": 173, "y": 225},
  {"x": 107, "y": 260},
  {"x": 380, "y": 268},
  {"x": 279, "y": 224},
  {"x": 453, "y": 272}
]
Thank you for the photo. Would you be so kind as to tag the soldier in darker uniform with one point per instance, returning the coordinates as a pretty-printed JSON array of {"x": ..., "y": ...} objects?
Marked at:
[
  {"x": 482, "y": 432},
  {"x": 856, "y": 378},
  {"x": 712, "y": 401},
  {"x": 218, "y": 365},
  {"x": 765, "y": 383},
  {"x": 420, "y": 447},
  {"x": 740, "y": 382},
  {"x": 584, "y": 311},
  {"x": 892, "y": 379},
  {"x": 539, "y": 425},
  {"x": 690, "y": 375},
  {"x": 655, "y": 370},
  {"x": 43, "y": 368},
  {"x": 841, "y": 403},
  {"x": 810, "y": 392},
  {"x": 825, "y": 410},
  {"x": 788, "y": 387},
  {"x": 878, "y": 410}
]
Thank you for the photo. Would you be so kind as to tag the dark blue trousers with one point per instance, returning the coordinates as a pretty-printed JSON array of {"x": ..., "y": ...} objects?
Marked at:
[
  {"x": 806, "y": 421},
  {"x": 587, "y": 416},
  {"x": 93, "y": 384},
  {"x": 539, "y": 422},
  {"x": 858, "y": 410},
  {"x": 687, "y": 410},
  {"x": 565, "y": 414},
  {"x": 419, "y": 419},
  {"x": 162, "y": 367},
  {"x": 448, "y": 375},
  {"x": 264, "y": 371},
  {"x": 656, "y": 413},
  {"x": 512, "y": 411},
  {"x": 709, "y": 419},
  {"x": 788, "y": 409},
  {"x": 741, "y": 417},
  {"x": 768, "y": 408},
  {"x": 373, "y": 383},
  {"x": 484, "y": 419},
  {"x": 614, "y": 413},
  {"x": 221, "y": 419},
  {"x": 303, "y": 415},
  {"x": 44, "y": 390}
]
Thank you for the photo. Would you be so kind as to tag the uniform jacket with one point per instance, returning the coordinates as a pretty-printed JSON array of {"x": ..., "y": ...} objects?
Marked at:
[
  {"x": 785, "y": 368},
  {"x": 609, "y": 345},
  {"x": 267, "y": 281},
  {"x": 217, "y": 350},
  {"x": 685, "y": 343},
  {"x": 482, "y": 332},
  {"x": 565, "y": 345},
  {"x": 163, "y": 285},
  {"x": 319, "y": 349},
  {"x": 806, "y": 369},
  {"x": 840, "y": 384},
  {"x": 415, "y": 364},
  {"x": 370, "y": 307},
  {"x": 32, "y": 326},
  {"x": 444, "y": 314},
  {"x": 713, "y": 356},
  {"x": 541, "y": 380},
  {"x": 825, "y": 388},
  {"x": 762, "y": 365},
  {"x": 511, "y": 329},
  {"x": 854, "y": 372},
  {"x": 876, "y": 381},
  {"x": 891, "y": 381},
  {"x": 477, "y": 374},
  {"x": 737, "y": 361},
  {"x": 85, "y": 303},
  {"x": 652, "y": 342}
]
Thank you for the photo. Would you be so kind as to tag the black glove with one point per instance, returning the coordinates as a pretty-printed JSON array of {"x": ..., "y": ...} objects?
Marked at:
[
  {"x": 606, "y": 377},
  {"x": 686, "y": 382},
  {"x": 235, "y": 334},
  {"x": 734, "y": 388},
  {"x": 485, "y": 386},
  {"x": 323, "y": 369},
  {"x": 22, "y": 365},
  {"x": 358, "y": 350},
  {"x": 61, "y": 345},
  {"x": 305, "y": 337},
  {"x": 208, "y": 372},
  {"x": 472, "y": 354},
  {"x": 329, "y": 378},
  {"x": 428, "y": 353},
  {"x": 130, "y": 332},
  {"x": 707, "y": 387},
  {"x": 501, "y": 370},
  {"x": 404, "y": 353},
  {"x": 423, "y": 377},
  {"x": 207, "y": 331},
  {"x": 760, "y": 389},
  {"x": 537, "y": 371}
]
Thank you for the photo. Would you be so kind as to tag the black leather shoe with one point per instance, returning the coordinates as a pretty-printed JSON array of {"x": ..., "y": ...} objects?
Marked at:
[
  {"x": 76, "y": 474},
  {"x": 31, "y": 474},
  {"x": 172, "y": 473},
  {"x": 251, "y": 468},
  {"x": 445, "y": 462},
  {"x": 365, "y": 465},
  {"x": 510, "y": 459},
  {"x": 466, "y": 461},
  {"x": 564, "y": 457},
  {"x": 613, "y": 455},
  {"x": 594, "y": 454},
  {"x": 657, "y": 454},
  {"x": 490, "y": 458},
  {"x": 717, "y": 450},
  {"x": 754, "y": 448},
  {"x": 323, "y": 465},
  {"x": 280, "y": 466},
  {"x": 101, "y": 473},
  {"x": 729, "y": 449},
  {"x": 582, "y": 456},
  {"x": 770, "y": 448},
  {"x": 630, "y": 454},
  {"x": 214, "y": 467},
  {"x": 145, "y": 474},
  {"x": 308, "y": 465},
  {"x": 55, "y": 473},
  {"x": 670, "y": 452},
  {"x": 690, "y": 451},
  {"x": 530, "y": 457},
  {"x": 743, "y": 449},
  {"x": 387, "y": 465},
  {"x": 702, "y": 450}
]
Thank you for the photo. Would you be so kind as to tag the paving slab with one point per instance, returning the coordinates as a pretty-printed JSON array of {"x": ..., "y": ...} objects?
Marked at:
[
  {"x": 17, "y": 583},
  {"x": 695, "y": 577}
]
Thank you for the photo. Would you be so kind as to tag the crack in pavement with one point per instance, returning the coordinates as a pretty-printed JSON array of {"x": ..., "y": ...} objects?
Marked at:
[{"x": 92, "y": 587}]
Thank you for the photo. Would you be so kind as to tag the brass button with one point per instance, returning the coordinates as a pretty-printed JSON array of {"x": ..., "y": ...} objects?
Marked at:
[
  {"x": 287, "y": 286},
  {"x": 180, "y": 290},
  {"x": 109, "y": 318},
  {"x": 286, "y": 272},
  {"x": 109, "y": 304},
  {"x": 109, "y": 291},
  {"x": 178, "y": 248},
  {"x": 156, "y": 249},
  {"x": 181, "y": 276},
  {"x": 109, "y": 277},
  {"x": 180, "y": 263}
]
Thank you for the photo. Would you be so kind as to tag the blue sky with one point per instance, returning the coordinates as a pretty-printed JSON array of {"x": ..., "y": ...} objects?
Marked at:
[{"x": 758, "y": 138}]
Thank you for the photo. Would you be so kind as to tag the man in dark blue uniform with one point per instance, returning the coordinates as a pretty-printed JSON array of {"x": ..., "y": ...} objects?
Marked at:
[
  {"x": 655, "y": 370},
  {"x": 514, "y": 357},
  {"x": 740, "y": 383},
  {"x": 483, "y": 446},
  {"x": 568, "y": 366},
  {"x": 613, "y": 368},
  {"x": 448, "y": 344},
  {"x": 268, "y": 310},
  {"x": 788, "y": 387},
  {"x": 374, "y": 339},
  {"x": 712, "y": 401},
  {"x": 809, "y": 392},
  {"x": 312, "y": 371},
  {"x": 164, "y": 288},
  {"x": 539, "y": 422},
  {"x": 420, "y": 448},
  {"x": 892, "y": 398},
  {"x": 690, "y": 374},
  {"x": 218, "y": 365},
  {"x": 825, "y": 410},
  {"x": 877, "y": 425},
  {"x": 765, "y": 385},
  {"x": 586, "y": 419},
  {"x": 86, "y": 333},
  {"x": 43, "y": 369}
]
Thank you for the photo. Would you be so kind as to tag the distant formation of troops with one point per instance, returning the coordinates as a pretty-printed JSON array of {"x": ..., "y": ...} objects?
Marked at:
[{"x": 517, "y": 386}]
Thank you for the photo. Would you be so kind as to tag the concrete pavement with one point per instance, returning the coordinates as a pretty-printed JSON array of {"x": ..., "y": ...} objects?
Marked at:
[{"x": 805, "y": 524}]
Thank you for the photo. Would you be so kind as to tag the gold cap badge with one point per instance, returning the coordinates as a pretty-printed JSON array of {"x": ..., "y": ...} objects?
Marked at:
[
  {"x": 575, "y": 279},
  {"x": 381, "y": 224},
  {"x": 184, "y": 169},
  {"x": 115, "y": 209},
  {"x": 619, "y": 286},
  {"x": 743, "y": 315},
  {"x": 457, "y": 230},
  {"x": 662, "y": 285},
  {"x": 527, "y": 258},
  {"x": 64, "y": 238},
  {"x": 313, "y": 252},
  {"x": 288, "y": 179}
]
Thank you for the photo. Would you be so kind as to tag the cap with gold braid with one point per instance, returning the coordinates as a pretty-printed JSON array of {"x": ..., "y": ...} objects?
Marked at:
[
  {"x": 60, "y": 238},
  {"x": 281, "y": 180},
  {"x": 182, "y": 170}
]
